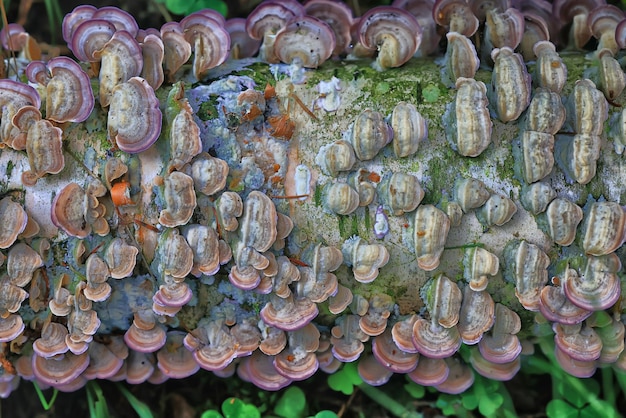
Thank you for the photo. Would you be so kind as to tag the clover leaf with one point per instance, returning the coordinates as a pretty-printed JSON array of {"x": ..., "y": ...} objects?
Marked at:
[
  {"x": 416, "y": 391},
  {"x": 292, "y": 404},
  {"x": 345, "y": 379},
  {"x": 236, "y": 408}
]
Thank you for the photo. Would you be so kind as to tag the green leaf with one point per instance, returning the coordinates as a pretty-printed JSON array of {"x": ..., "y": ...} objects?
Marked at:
[
  {"x": 292, "y": 404},
  {"x": 211, "y": 414},
  {"x": 415, "y": 390},
  {"x": 178, "y": 7},
  {"x": 325, "y": 414},
  {"x": 42, "y": 398},
  {"x": 236, "y": 408},
  {"x": 217, "y": 5},
  {"x": 345, "y": 379},
  {"x": 447, "y": 404},
  {"x": 488, "y": 405},
  {"x": 139, "y": 407},
  {"x": 469, "y": 400},
  {"x": 558, "y": 408}
]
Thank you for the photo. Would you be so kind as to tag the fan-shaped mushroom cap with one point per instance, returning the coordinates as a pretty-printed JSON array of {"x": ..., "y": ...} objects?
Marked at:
[
  {"x": 145, "y": 340},
  {"x": 495, "y": 371},
  {"x": 338, "y": 302},
  {"x": 134, "y": 120},
  {"x": 248, "y": 336},
  {"x": 122, "y": 20},
  {"x": 172, "y": 295},
  {"x": 502, "y": 345},
  {"x": 212, "y": 345},
  {"x": 443, "y": 297},
  {"x": 305, "y": 41},
  {"x": 44, "y": 148},
  {"x": 180, "y": 200},
  {"x": 274, "y": 340},
  {"x": 121, "y": 258},
  {"x": 555, "y": 306},
  {"x": 11, "y": 327},
  {"x": 259, "y": 369},
  {"x": 529, "y": 268},
  {"x": 204, "y": 243},
  {"x": 394, "y": 32},
  {"x": 455, "y": 15},
  {"x": 598, "y": 287},
  {"x": 365, "y": 259},
  {"x": 58, "y": 371},
  {"x": 430, "y": 371},
  {"x": 97, "y": 273},
  {"x": 209, "y": 174},
  {"x": 563, "y": 219},
  {"x": 15, "y": 220},
  {"x": 52, "y": 340},
  {"x": 288, "y": 314},
  {"x": 209, "y": 41},
  {"x": 88, "y": 37},
  {"x": 435, "y": 341},
  {"x": 578, "y": 341},
  {"x": 139, "y": 367},
  {"x": 604, "y": 228},
  {"x": 402, "y": 334},
  {"x": 173, "y": 359},
  {"x": 603, "y": 21},
  {"x": 476, "y": 316},
  {"x": 347, "y": 338},
  {"x": 372, "y": 372},
  {"x": 460, "y": 378},
  {"x": 392, "y": 357},
  {"x": 374, "y": 321},
  {"x": 504, "y": 28},
  {"x": 577, "y": 368},
  {"x": 22, "y": 261},
  {"x": 431, "y": 226},
  {"x": 103, "y": 363},
  {"x": 75, "y": 18},
  {"x": 299, "y": 362},
  {"x": 478, "y": 264},
  {"x": 176, "y": 48},
  {"x": 241, "y": 44},
  {"x": 612, "y": 336},
  {"x": 174, "y": 254},
  {"x": 316, "y": 286},
  {"x": 338, "y": 16},
  {"x": 153, "y": 54},
  {"x": 266, "y": 20}
]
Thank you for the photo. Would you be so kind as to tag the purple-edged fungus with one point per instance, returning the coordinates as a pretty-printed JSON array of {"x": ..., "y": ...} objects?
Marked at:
[
  {"x": 266, "y": 20},
  {"x": 456, "y": 16},
  {"x": 145, "y": 340},
  {"x": 52, "y": 340},
  {"x": 43, "y": 144},
  {"x": 304, "y": 42},
  {"x": 575, "y": 13},
  {"x": 604, "y": 228},
  {"x": 68, "y": 208},
  {"x": 134, "y": 120},
  {"x": 347, "y": 338},
  {"x": 121, "y": 60},
  {"x": 153, "y": 53},
  {"x": 177, "y": 50},
  {"x": 58, "y": 371},
  {"x": 173, "y": 359},
  {"x": 374, "y": 321},
  {"x": 504, "y": 28},
  {"x": 139, "y": 367},
  {"x": 577, "y": 368},
  {"x": 394, "y": 32},
  {"x": 563, "y": 218},
  {"x": 15, "y": 220},
  {"x": 120, "y": 257},
  {"x": 392, "y": 357},
  {"x": 75, "y": 18},
  {"x": 175, "y": 255},
  {"x": 338, "y": 16},
  {"x": 402, "y": 334},
  {"x": 400, "y": 192},
  {"x": 273, "y": 340},
  {"x": 13, "y": 37},
  {"x": 365, "y": 259},
  {"x": 298, "y": 361},
  {"x": 511, "y": 84},
  {"x": 11, "y": 298},
  {"x": 180, "y": 200},
  {"x": 529, "y": 269},
  {"x": 578, "y": 341},
  {"x": 103, "y": 363},
  {"x": 611, "y": 77},
  {"x": 89, "y": 38},
  {"x": 476, "y": 316},
  {"x": 22, "y": 261},
  {"x": 479, "y": 264},
  {"x": 430, "y": 231},
  {"x": 209, "y": 175},
  {"x": 372, "y": 372},
  {"x": 11, "y": 326},
  {"x": 460, "y": 378},
  {"x": 422, "y": 10},
  {"x": 535, "y": 30},
  {"x": 495, "y": 371},
  {"x": 212, "y": 345},
  {"x": 288, "y": 314},
  {"x": 461, "y": 59},
  {"x": 430, "y": 372},
  {"x": 96, "y": 273},
  {"x": 241, "y": 44},
  {"x": 409, "y": 129},
  {"x": 204, "y": 243},
  {"x": 501, "y": 344},
  {"x": 598, "y": 287},
  {"x": 209, "y": 42},
  {"x": 434, "y": 341},
  {"x": 316, "y": 285},
  {"x": 69, "y": 97},
  {"x": 555, "y": 306},
  {"x": 603, "y": 21},
  {"x": 338, "y": 302},
  {"x": 122, "y": 20},
  {"x": 259, "y": 370},
  {"x": 247, "y": 335}
]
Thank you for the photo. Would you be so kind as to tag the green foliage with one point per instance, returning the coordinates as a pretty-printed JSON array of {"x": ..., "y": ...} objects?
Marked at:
[
  {"x": 346, "y": 379},
  {"x": 97, "y": 402},
  {"x": 42, "y": 398},
  {"x": 416, "y": 391},
  {"x": 234, "y": 408},
  {"x": 292, "y": 404},
  {"x": 186, "y": 7},
  {"x": 490, "y": 397},
  {"x": 142, "y": 410}
]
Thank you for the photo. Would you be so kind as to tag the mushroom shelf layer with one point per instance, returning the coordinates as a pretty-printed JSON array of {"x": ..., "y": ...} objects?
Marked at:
[{"x": 402, "y": 261}]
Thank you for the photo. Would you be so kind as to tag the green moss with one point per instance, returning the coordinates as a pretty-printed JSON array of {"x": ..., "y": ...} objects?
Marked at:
[
  {"x": 317, "y": 195},
  {"x": 344, "y": 227},
  {"x": 431, "y": 93},
  {"x": 9, "y": 169},
  {"x": 208, "y": 109}
]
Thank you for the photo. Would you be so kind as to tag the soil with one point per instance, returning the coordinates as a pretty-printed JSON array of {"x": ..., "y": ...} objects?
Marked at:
[{"x": 189, "y": 397}]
